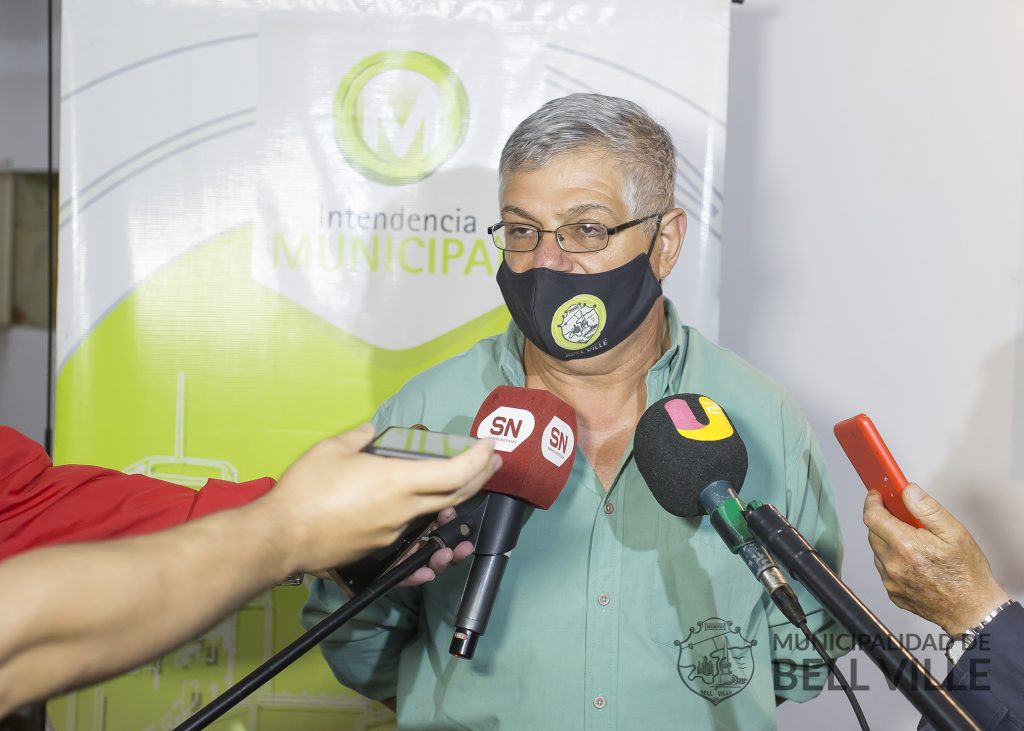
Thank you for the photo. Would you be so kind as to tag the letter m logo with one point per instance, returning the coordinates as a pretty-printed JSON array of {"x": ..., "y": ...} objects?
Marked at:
[
  {"x": 400, "y": 108},
  {"x": 398, "y": 115}
]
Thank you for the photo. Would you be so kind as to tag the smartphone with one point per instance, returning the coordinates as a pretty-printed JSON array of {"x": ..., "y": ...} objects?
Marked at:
[
  {"x": 416, "y": 443},
  {"x": 874, "y": 463},
  {"x": 403, "y": 443}
]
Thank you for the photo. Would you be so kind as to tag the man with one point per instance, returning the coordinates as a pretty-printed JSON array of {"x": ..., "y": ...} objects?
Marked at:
[
  {"x": 939, "y": 573},
  {"x": 612, "y": 612},
  {"x": 78, "y": 613}
]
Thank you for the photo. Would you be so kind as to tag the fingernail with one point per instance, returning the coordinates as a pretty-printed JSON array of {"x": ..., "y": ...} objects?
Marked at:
[
  {"x": 912, "y": 493},
  {"x": 495, "y": 462},
  {"x": 367, "y": 426}
]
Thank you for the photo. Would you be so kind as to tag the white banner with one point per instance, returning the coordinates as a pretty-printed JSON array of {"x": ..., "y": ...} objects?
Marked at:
[{"x": 274, "y": 213}]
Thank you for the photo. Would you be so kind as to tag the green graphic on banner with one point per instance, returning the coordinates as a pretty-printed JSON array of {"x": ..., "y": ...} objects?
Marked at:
[
  {"x": 399, "y": 115},
  {"x": 202, "y": 372}
]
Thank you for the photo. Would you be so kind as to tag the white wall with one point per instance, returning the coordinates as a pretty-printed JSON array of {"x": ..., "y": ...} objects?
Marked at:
[
  {"x": 875, "y": 224},
  {"x": 23, "y": 147},
  {"x": 23, "y": 380},
  {"x": 23, "y": 84}
]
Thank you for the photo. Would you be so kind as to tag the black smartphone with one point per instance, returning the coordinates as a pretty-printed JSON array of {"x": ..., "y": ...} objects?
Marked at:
[
  {"x": 404, "y": 443},
  {"x": 416, "y": 443}
]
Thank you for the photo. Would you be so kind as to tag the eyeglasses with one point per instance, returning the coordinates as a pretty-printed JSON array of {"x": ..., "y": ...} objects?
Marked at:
[{"x": 572, "y": 238}]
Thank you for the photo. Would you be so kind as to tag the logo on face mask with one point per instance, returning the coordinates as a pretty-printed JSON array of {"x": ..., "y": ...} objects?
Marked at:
[{"x": 578, "y": 322}]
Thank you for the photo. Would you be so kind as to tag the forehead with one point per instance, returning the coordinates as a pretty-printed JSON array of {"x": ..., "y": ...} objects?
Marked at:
[{"x": 566, "y": 181}]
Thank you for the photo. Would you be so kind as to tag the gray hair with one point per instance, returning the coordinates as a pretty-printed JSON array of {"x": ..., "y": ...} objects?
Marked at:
[{"x": 606, "y": 124}]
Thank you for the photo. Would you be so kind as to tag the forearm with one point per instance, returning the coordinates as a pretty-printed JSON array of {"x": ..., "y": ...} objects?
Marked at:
[{"x": 91, "y": 610}]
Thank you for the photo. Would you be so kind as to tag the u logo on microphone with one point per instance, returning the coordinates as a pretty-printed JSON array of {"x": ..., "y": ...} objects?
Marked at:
[{"x": 685, "y": 421}]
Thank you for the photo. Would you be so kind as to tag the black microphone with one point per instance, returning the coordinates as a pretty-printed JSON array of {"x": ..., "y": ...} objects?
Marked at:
[
  {"x": 901, "y": 669},
  {"x": 694, "y": 462},
  {"x": 535, "y": 432}
]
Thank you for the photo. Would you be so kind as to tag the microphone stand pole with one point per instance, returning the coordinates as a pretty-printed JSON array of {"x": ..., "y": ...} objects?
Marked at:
[
  {"x": 896, "y": 662},
  {"x": 463, "y": 528}
]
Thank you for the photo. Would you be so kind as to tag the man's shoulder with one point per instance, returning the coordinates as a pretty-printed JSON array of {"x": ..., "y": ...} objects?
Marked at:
[
  {"x": 473, "y": 366},
  {"x": 449, "y": 390},
  {"x": 731, "y": 373}
]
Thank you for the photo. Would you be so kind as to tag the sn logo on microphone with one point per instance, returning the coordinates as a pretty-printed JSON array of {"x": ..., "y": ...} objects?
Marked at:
[
  {"x": 557, "y": 442},
  {"x": 507, "y": 426}
]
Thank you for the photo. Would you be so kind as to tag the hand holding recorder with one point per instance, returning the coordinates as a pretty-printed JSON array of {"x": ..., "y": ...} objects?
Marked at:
[
  {"x": 938, "y": 572},
  {"x": 87, "y": 611}
]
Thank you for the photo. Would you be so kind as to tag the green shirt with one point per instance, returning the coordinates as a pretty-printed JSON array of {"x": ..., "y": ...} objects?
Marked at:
[{"x": 612, "y": 612}]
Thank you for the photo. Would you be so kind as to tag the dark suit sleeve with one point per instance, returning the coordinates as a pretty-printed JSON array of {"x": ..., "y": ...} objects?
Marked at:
[{"x": 988, "y": 680}]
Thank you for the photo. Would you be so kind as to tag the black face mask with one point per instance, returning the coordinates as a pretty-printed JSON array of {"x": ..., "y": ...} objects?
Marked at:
[{"x": 580, "y": 315}]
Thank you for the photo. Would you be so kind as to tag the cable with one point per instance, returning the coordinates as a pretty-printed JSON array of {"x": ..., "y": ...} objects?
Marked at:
[{"x": 837, "y": 674}]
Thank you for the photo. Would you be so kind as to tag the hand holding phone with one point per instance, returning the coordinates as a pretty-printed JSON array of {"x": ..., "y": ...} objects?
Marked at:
[
  {"x": 874, "y": 464},
  {"x": 403, "y": 443}
]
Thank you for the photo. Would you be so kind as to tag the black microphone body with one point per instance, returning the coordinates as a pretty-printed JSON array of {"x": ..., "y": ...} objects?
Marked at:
[
  {"x": 895, "y": 661},
  {"x": 499, "y": 533}
]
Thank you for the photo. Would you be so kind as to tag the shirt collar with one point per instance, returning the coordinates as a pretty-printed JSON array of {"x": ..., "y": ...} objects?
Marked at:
[
  {"x": 510, "y": 357},
  {"x": 667, "y": 373}
]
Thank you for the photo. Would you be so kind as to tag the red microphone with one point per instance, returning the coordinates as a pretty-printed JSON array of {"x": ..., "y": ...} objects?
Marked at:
[{"x": 535, "y": 431}]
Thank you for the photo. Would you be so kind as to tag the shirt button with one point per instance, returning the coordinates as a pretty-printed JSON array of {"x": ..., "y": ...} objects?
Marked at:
[
  {"x": 603, "y": 600},
  {"x": 609, "y": 508},
  {"x": 600, "y": 702}
]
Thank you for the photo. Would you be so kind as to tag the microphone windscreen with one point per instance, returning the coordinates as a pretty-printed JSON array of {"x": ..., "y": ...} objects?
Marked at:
[
  {"x": 683, "y": 443},
  {"x": 535, "y": 433}
]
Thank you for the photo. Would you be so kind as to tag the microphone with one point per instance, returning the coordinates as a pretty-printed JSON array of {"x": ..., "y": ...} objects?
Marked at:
[
  {"x": 536, "y": 433},
  {"x": 694, "y": 462}
]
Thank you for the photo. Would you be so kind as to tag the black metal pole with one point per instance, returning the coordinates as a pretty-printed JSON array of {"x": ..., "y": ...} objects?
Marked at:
[
  {"x": 320, "y": 631},
  {"x": 463, "y": 528},
  {"x": 896, "y": 662}
]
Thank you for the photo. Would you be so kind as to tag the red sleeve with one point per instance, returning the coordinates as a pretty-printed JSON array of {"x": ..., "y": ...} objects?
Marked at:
[{"x": 43, "y": 505}]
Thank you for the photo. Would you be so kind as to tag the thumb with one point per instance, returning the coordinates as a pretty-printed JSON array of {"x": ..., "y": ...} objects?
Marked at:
[
  {"x": 930, "y": 512},
  {"x": 355, "y": 439}
]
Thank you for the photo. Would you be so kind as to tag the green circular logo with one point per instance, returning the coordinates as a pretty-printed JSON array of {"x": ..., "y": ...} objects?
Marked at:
[
  {"x": 578, "y": 322},
  {"x": 398, "y": 115}
]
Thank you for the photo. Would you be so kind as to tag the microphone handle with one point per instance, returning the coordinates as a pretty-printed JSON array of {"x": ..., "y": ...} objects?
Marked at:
[
  {"x": 499, "y": 534},
  {"x": 896, "y": 662},
  {"x": 728, "y": 517},
  {"x": 502, "y": 524},
  {"x": 477, "y": 602}
]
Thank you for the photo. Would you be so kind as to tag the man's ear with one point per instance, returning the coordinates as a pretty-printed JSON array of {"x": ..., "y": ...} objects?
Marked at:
[{"x": 670, "y": 243}]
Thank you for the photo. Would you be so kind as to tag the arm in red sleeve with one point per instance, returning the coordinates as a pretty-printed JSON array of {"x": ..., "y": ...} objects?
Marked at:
[{"x": 43, "y": 505}]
